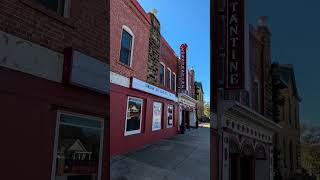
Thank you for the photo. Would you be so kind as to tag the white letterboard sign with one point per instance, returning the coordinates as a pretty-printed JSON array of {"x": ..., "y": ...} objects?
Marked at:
[
  {"x": 146, "y": 87},
  {"x": 89, "y": 72}
]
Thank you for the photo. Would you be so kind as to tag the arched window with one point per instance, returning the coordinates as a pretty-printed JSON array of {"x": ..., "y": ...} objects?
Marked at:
[{"x": 127, "y": 42}]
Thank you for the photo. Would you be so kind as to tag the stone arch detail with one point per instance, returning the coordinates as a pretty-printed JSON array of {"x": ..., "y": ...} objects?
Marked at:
[
  {"x": 261, "y": 152},
  {"x": 247, "y": 148},
  {"x": 234, "y": 145}
]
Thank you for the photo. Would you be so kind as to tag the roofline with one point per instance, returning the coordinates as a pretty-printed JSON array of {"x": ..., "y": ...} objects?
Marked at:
[{"x": 272, "y": 125}]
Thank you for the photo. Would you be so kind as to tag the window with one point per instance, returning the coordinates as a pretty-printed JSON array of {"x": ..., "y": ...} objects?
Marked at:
[
  {"x": 162, "y": 74},
  {"x": 78, "y": 147},
  {"x": 173, "y": 81},
  {"x": 256, "y": 96},
  {"x": 59, "y": 6},
  {"x": 134, "y": 116},
  {"x": 169, "y": 78},
  {"x": 170, "y": 116},
  {"x": 156, "y": 120},
  {"x": 289, "y": 113},
  {"x": 291, "y": 155},
  {"x": 284, "y": 152},
  {"x": 126, "y": 46}
]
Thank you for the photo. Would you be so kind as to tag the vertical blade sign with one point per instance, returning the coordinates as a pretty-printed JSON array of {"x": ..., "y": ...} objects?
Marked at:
[
  {"x": 234, "y": 79},
  {"x": 182, "y": 68}
]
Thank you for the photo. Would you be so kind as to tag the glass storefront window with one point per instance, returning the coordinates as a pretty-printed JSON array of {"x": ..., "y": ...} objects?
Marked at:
[
  {"x": 134, "y": 114},
  {"x": 78, "y": 147}
]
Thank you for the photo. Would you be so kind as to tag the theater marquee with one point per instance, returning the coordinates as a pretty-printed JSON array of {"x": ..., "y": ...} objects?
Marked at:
[{"x": 234, "y": 67}]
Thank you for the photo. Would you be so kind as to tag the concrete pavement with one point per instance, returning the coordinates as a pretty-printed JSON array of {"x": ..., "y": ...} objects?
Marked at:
[{"x": 183, "y": 157}]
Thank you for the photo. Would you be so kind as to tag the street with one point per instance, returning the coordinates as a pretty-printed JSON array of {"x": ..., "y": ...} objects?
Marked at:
[{"x": 183, "y": 157}]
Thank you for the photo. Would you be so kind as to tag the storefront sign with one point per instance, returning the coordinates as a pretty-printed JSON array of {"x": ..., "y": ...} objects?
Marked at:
[
  {"x": 234, "y": 44},
  {"x": 156, "y": 120},
  {"x": 182, "y": 68},
  {"x": 85, "y": 71},
  {"x": 146, "y": 87}
]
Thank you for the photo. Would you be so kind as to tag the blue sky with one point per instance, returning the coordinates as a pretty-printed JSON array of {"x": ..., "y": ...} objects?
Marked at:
[
  {"x": 295, "y": 31},
  {"x": 187, "y": 22}
]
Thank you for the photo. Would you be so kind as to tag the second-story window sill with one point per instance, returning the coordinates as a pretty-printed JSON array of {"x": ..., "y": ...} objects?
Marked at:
[{"x": 34, "y": 5}]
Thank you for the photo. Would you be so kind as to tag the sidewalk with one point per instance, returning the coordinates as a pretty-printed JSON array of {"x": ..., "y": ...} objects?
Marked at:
[{"x": 183, "y": 157}]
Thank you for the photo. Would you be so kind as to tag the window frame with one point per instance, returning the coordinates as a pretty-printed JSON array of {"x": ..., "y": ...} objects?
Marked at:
[
  {"x": 169, "y": 76},
  {"x": 129, "y": 133},
  {"x": 129, "y": 31},
  {"x": 66, "y": 8},
  {"x": 175, "y": 81},
  {"x": 164, "y": 73},
  {"x": 170, "y": 105},
  {"x": 56, "y": 139}
]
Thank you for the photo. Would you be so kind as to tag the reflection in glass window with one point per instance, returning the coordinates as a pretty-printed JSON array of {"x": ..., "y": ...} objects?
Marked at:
[
  {"x": 79, "y": 148},
  {"x": 170, "y": 116},
  {"x": 134, "y": 113}
]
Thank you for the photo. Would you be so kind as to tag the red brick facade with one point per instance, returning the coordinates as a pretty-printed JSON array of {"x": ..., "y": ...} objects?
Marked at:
[
  {"x": 125, "y": 12},
  {"x": 86, "y": 29},
  {"x": 29, "y": 104},
  {"x": 130, "y": 14},
  {"x": 169, "y": 58}
]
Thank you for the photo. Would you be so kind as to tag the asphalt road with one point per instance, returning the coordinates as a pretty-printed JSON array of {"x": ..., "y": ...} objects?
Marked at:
[{"x": 183, "y": 157}]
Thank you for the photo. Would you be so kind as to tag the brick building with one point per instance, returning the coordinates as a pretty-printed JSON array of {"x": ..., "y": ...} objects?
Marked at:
[
  {"x": 287, "y": 140},
  {"x": 200, "y": 101},
  {"x": 248, "y": 127},
  {"x": 144, "y": 74},
  {"x": 50, "y": 96}
]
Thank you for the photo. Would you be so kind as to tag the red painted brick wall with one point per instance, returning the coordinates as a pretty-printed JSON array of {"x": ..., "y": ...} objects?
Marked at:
[
  {"x": 121, "y": 144},
  {"x": 168, "y": 57},
  {"x": 125, "y": 12},
  {"x": 29, "y": 104},
  {"x": 86, "y": 29}
]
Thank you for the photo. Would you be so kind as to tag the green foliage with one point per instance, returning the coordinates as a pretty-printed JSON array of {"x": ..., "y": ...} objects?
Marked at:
[
  {"x": 207, "y": 109},
  {"x": 310, "y": 148}
]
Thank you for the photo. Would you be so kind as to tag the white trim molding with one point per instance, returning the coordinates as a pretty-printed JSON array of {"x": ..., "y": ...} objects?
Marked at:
[
  {"x": 138, "y": 131},
  {"x": 119, "y": 80}
]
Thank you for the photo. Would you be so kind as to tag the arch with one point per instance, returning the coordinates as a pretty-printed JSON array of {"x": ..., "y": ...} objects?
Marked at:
[
  {"x": 260, "y": 152},
  {"x": 247, "y": 148},
  {"x": 234, "y": 147}
]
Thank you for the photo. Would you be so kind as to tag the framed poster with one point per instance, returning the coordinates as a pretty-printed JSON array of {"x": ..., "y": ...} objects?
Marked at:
[{"x": 156, "y": 120}]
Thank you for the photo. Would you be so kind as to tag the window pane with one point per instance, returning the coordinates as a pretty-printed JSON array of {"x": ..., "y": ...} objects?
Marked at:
[
  {"x": 125, "y": 56},
  {"x": 170, "y": 116},
  {"x": 161, "y": 74},
  {"x": 173, "y": 82},
  {"x": 50, "y": 4},
  {"x": 126, "y": 47},
  {"x": 126, "y": 40},
  {"x": 168, "y": 78},
  {"x": 134, "y": 114},
  {"x": 78, "y": 152},
  {"x": 80, "y": 121}
]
